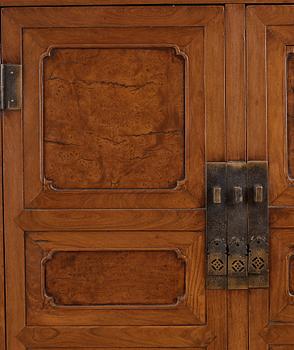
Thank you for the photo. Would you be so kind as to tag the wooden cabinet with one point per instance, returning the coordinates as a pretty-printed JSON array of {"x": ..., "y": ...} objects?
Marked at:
[{"x": 104, "y": 173}]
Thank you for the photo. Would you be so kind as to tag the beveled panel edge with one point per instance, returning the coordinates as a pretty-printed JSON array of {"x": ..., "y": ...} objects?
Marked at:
[
  {"x": 191, "y": 310},
  {"x": 187, "y": 194}
]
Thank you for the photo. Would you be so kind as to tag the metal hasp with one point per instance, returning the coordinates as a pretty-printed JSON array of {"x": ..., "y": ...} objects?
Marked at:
[
  {"x": 258, "y": 225},
  {"x": 237, "y": 231},
  {"x": 237, "y": 225},
  {"x": 10, "y": 87},
  {"x": 216, "y": 247}
]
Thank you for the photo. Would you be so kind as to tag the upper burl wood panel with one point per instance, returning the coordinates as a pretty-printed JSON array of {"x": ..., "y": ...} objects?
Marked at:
[
  {"x": 114, "y": 118},
  {"x": 115, "y": 277},
  {"x": 162, "y": 169}
]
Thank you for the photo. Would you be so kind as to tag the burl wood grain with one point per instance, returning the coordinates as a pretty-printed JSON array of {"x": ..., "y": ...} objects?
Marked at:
[
  {"x": 115, "y": 277},
  {"x": 114, "y": 118},
  {"x": 290, "y": 113}
]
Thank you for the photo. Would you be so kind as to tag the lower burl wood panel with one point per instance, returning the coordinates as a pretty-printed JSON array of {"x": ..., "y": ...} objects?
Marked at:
[{"x": 115, "y": 277}]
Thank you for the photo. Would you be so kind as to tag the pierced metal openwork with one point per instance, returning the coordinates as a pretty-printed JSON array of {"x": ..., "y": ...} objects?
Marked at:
[{"x": 237, "y": 225}]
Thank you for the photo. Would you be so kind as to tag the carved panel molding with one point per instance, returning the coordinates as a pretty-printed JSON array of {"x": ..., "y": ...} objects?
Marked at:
[
  {"x": 86, "y": 277},
  {"x": 119, "y": 124},
  {"x": 110, "y": 278}
]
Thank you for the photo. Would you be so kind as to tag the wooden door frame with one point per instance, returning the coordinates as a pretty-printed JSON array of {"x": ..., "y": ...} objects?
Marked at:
[
  {"x": 216, "y": 300},
  {"x": 235, "y": 141}
]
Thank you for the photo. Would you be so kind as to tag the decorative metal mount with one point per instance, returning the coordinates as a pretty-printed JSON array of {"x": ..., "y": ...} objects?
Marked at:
[
  {"x": 10, "y": 87},
  {"x": 237, "y": 225}
]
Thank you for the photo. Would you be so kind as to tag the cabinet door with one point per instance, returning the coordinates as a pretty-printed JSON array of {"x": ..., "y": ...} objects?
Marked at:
[
  {"x": 271, "y": 134},
  {"x": 104, "y": 176}
]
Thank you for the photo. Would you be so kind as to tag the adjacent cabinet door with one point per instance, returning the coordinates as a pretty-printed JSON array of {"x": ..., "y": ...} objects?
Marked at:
[
  {"x": 270, "y": 57},
  {"x": 104, "y": 176}
]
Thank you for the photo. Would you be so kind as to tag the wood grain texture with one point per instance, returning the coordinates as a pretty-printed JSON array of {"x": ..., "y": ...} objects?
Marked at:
[
  {"x": 15, "y": 297},
  {"x": 270, "y": 37},
  {"x": 8, "y": 3},
  {"x": 217, "y": 306},
  {"x": 291, "y": 275},
  {"x": 2, "y": 257},
  {"x": 119, "y": 220},
  {"x": 187, "y": 194},
  {"x": 256, "y": 87},
  {"x": 235, "y": 82},
  {"x": 162, "y": 27},
  {"x": 215, "y": 103},
  {"x": 189, "y": 310},
  {"x": 278, "y": 334},
  {"x": 114, "y": 277},
  {"x": 258, "y": 317},
  {"x": 176, "y": 337},
  {"x": 70, "y": 221},
  {"x": 281, "y": 217},
  {"x": 238, "y": 319},
  {"x": 168, "y": 348},
  {"x": 281, "y": 301},
  {"x": 124, "y": 127},
  {"x": 290, "y": 113}
]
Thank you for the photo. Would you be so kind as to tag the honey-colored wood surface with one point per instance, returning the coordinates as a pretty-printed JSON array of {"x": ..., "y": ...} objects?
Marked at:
[
  {"x": 189, "y": 308},
  {"x": 271, "y": 311},
  {"x": 175, "y": 336},
  {"x": 238, "y": 319},
  {"x": 270, "y": 38},
  {"x": 130, "y": 104},
  {"x": 256, "y": 91},
  {"x": 235, "y": 82},
  {"x": 2, "y": 260},
  {"x": 120, "y": 220},
  {"x": 281, "y": 218},
  {"x": 237, "y": 301},
  {"x": 290, "y": 113},
  {"x": 217, "y": 306},
  {"x": 126, "y": 336},
  {"x": 43, "y": 219},
  {"x": 291, "y": 275},
  {"x": 258, "y": 318},
  {"x": 7, "y": 3},
  {"x": 281, "y": 302},
  {"x": 39, "y": 192},
  {"x": 114, "y": 277}
]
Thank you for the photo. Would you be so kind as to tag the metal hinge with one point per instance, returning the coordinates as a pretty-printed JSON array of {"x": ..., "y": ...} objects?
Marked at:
[
  {"x": 237, "y": 225},
  {"x": 10, "y": 87}
]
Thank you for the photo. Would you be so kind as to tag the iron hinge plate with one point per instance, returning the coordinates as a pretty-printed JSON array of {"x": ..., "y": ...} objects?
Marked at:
[
  {"x": 237, "y": 234},
  {"x": 10, "y": 87}
]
